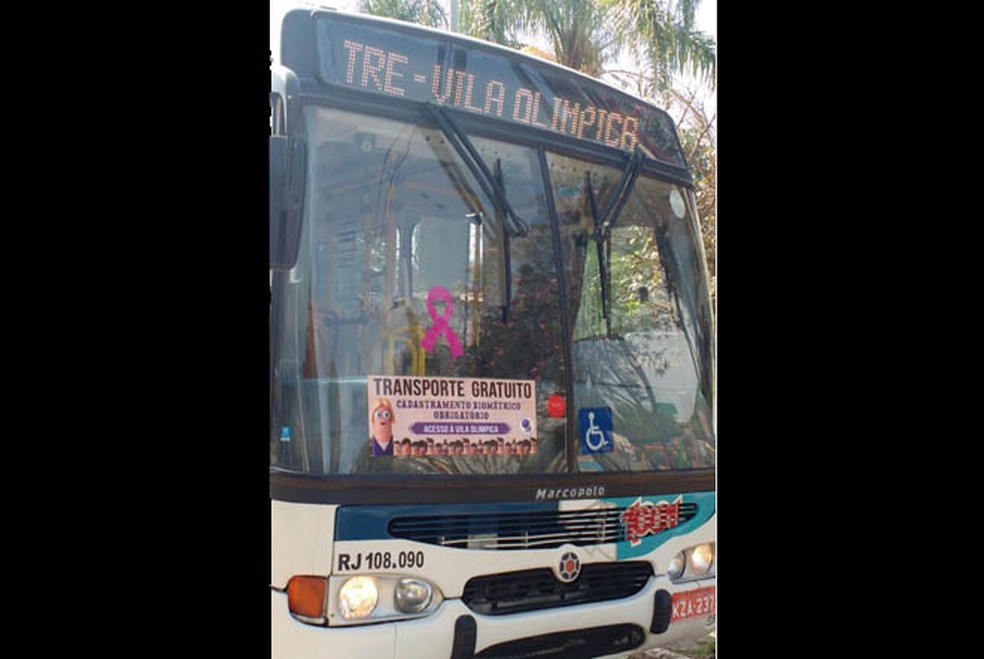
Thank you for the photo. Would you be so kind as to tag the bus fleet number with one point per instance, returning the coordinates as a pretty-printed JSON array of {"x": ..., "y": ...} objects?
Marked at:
[{"x": 380, "y": 560}]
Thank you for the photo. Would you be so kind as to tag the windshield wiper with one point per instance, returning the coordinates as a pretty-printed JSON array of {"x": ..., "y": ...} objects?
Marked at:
[
  {"x": 491, "y": 186},
  {"x": 603, "y": 224},
  {"x": 622, "y": 193},
  {"x": 601, "y": 241}
]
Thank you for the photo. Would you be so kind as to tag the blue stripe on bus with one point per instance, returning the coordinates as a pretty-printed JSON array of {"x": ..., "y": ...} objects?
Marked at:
[{"x": 369, "y": 522}]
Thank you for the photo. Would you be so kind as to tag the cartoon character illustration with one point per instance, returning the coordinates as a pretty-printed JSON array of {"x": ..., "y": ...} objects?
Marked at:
[{"x": 381, "y": 421}]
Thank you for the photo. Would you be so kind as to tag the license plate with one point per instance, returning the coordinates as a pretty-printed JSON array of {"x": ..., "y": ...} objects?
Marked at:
[{"x": 694, "y": 603}]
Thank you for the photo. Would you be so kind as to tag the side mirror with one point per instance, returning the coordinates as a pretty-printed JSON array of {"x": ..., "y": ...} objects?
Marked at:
[{"x": 288, "y": 168}]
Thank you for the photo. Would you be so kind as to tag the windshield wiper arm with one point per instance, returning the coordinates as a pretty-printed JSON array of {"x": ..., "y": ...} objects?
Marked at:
[
  {"x": 603, "y": 224},
  {"x": 622, "y": 192},
  {"x": 491, "y": 186}
]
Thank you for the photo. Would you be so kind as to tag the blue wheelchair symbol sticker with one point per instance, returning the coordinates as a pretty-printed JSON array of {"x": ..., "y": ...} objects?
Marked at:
[{"x": 596, "y": 429}]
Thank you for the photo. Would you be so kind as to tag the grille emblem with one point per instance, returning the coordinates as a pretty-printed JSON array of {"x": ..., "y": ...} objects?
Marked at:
[{"x": 569, "y": 567}]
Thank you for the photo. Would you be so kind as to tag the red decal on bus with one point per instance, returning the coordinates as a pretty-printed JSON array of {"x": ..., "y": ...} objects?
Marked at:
[{"x": 645, "y": 518}]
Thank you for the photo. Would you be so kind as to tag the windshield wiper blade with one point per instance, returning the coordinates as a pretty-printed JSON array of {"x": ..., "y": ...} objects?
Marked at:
[
  {"x": 601, "y": 240},
  {"x": 603, "y": 225},
  {"x": 506, "y": 253},
  {"x": 622, "y": 191},
  {"x": 492, "y": 187}
]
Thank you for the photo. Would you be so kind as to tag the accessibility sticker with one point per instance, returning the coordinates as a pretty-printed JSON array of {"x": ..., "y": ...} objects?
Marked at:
[{"x": 595, "y": 425}]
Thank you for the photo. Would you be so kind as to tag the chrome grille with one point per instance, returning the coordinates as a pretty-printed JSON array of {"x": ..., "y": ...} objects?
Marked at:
[
  {"x": 529, "y": 530},
  {"x": 534, "y": 590}
]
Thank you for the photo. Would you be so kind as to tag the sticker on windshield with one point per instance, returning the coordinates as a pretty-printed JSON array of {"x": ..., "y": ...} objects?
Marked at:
[
  {"x": 441, "y": 325},
  {"x": 421, "y": 416},
  {"x": 595, "y": 425}
]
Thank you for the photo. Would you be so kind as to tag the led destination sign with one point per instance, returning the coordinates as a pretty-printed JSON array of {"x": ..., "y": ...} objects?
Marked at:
[{"x": 426, "y": 68}]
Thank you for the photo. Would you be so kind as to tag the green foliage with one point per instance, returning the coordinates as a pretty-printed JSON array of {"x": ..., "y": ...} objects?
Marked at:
[
  {"x": 661, "y": 34},
  {"x": 697, "y": 133},
  {"x": 422, "y": 12},
  {"x": 497, "y": 21},
  {"x": 586, "y": 34},
  {"x": 578, "y": 31}
]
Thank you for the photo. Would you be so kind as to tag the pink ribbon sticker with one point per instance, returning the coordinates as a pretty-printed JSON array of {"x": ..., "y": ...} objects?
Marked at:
[{"x": 441, "y": 325}]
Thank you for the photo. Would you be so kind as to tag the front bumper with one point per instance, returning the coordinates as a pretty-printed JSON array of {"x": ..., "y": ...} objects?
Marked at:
[{"x": 433, "y": 637}]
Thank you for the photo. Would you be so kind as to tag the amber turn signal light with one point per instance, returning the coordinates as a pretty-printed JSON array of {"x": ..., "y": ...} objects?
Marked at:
[{"x": 306, "y": 597}]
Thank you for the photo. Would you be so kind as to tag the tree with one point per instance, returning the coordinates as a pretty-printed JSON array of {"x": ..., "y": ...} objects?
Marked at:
[
  {"x": 662, "y": 35},
  {"x": 586, "y": 34},
  {"x": 579, "y": 31},
  {"x": 698, "y": 137},
  {"x": 497, "y": 21},
  {"x": 422, "y": 12}
]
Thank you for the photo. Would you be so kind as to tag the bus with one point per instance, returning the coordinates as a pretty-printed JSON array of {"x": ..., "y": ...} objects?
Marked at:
[{"x": 492, "y": 386}]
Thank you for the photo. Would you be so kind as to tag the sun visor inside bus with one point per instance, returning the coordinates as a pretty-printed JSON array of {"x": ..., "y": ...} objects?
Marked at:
[{"x": 288, "y": 166}]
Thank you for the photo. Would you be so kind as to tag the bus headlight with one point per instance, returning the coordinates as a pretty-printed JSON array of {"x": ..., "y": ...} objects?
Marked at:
[
  {"x": 357, "y": 597},
  {"x": 412, "y": 595},
  {"x": 677, "y": 565},
  {"x": 701, "y": 559}
]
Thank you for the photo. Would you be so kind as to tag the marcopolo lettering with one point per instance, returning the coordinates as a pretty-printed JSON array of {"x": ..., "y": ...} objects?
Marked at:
[{"x": 589, "y": 492}]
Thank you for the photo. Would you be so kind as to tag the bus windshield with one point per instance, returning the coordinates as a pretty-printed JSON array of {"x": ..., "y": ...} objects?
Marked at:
[{"x": 407, "y": 269}]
